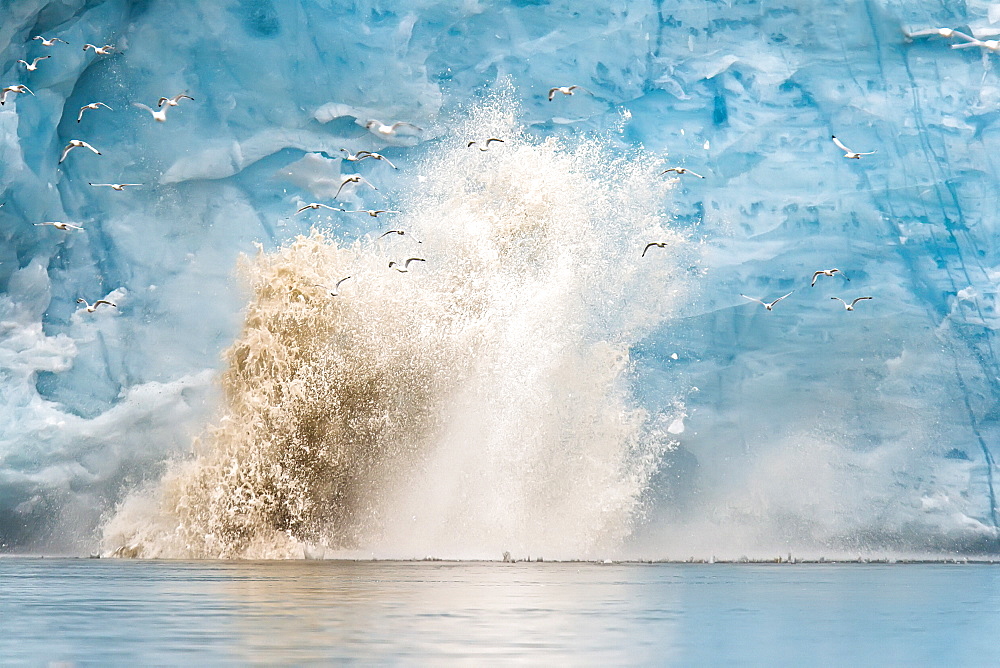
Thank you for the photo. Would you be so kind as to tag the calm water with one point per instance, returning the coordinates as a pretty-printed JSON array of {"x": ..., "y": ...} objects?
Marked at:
[{"x": 101, "y": 612}]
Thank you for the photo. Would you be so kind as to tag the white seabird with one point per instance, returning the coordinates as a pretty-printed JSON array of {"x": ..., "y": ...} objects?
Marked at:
[
  {"x": 65, "y": 227},
  {"x": 380, "y": 129},
  {"x": 939, "y": 32},
  {"x": 92, "y": 105},
  {"x": 361, "y": 155},
  {"x": 336, "y": 287},
  {"x": 100, "y": 50},
  {"x": 317, "y": 205},
  {"x": 159, "y": 116},
  {"x": 49, "y": 42},
  {"x": 173, "y": 101},
  {"x": 848, "y": 153},
  {"x": 399, "y": 233},
  {"x": 354, "y": 178},
  {"x": 93, "y": 307},
  {"x": 33, "y": 65},
  {"x": 566, "y": 90},
  {"x": 19, "y": 88},
  {"x": 114, "y": 186},
  {"x": 406, "y": 265},
  {"x": 658, "y": 244},
  {"x": 486, "y": 144},
  {"x": 681, "y": 170},
  {"x": 850, "y": 307},
  {"x": 765, "y": 304},
  {"x": 371, "y": 212},
  {"x": 76, "y": 143},
  {"x": 826, "y": 272}
]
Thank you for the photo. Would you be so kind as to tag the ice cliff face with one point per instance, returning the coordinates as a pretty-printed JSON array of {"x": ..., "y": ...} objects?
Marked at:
[{"x": 806, "y": 428}]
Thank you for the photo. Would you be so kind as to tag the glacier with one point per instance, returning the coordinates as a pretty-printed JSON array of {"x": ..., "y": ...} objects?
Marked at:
[{"x": 807, "y": 429}]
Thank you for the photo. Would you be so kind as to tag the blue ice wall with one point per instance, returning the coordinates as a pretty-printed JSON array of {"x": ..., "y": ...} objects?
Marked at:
[{"x": 807, "y": 427}]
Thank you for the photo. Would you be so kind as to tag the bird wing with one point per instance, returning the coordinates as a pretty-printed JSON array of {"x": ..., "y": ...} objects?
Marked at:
[
  {"x": 337, "y": 286},
  {"x": 580, "y": 88},
  {"x": 493, "y": 139},
  {"x": 399, "y": 124},
  {"x": 752, "y": 299},
  {"x": 840, "y": 144},
  {"x": 35, "y": 61},
  {"x": 839, "y": 300},
  {"x": 104, "y": 301},
  {"x": 159, "y": 103},
  {"x": 695, "y": 174},
  {"x": 815, "y": 276},
  {"x": 859, "y": 299},
  {"x": 80, "y": 117},
  {"x": 140, "y": 105},
  {"x": 105, "y": 106},
  {"x": 86, "y": 145},
  {"x": 413, "y": 259},
  {"x": 385, "y": 159},
  {"x": 868, "y": 153},
  {"x": 24, "y": 61},
  {"x": 552, "y": 92},
  {"x": 780, "y": 298},
  {"x": 69, "y": 147}
]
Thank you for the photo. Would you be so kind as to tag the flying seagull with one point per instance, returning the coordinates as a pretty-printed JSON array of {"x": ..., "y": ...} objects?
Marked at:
[
  {"x": 317, "y": 205},
  {"x": 92, "y": 105},
  {"x": 355, "y": 178},
  {"x": 658, "y": 244},
  {"x": 33, "y": 65},
  {"x": 942, "y": 32},
  {"x": 486, "y": 144},
  {"x": 336, "y": 288},
  {"x": 49, "y": 42},
  {"x": 399, "y": 233},
  {"x": 371, "y": 212},
  {"x": 100, "y": 50},
  {"x": 848, "y": 153},
  {"x": 565, "y": 90},
  {"x": 766, "y": 305},
  {"x": 681, "y": 170},
  {"x": 849, "y": 307},
  {"x": 114, "y": 186},
  {"x": 65, "y": 227},
  {"x": 826, "y": 272},
  {"x": 19, "y": 88},
  {"x": 159, "y": 116},
  {"x": 380, "y": 129},
  {"x": 93, "y": 307},
  {"x": 173, "y": 101},
  {"x": 76, "y": 143},
  {"x": 406, "y": 265},
  {"x": 361, "y": 155}
]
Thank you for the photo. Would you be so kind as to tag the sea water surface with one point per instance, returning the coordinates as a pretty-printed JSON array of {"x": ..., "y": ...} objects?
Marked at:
[{"x": 120, "y": 612}]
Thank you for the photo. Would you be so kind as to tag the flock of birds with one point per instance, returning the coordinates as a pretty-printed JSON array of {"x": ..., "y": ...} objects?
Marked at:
[
  {"x": 160, "y": 114},
  {"x": 849, "y": 306},
  {"x": 391, "y": 131}
]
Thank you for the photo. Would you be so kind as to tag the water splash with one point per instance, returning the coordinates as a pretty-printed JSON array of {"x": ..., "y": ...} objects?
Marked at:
[{"x": 477, "y": 403}]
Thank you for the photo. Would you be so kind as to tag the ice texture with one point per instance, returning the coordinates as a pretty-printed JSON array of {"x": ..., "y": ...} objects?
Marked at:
[{"x": 808, "y": 428}]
